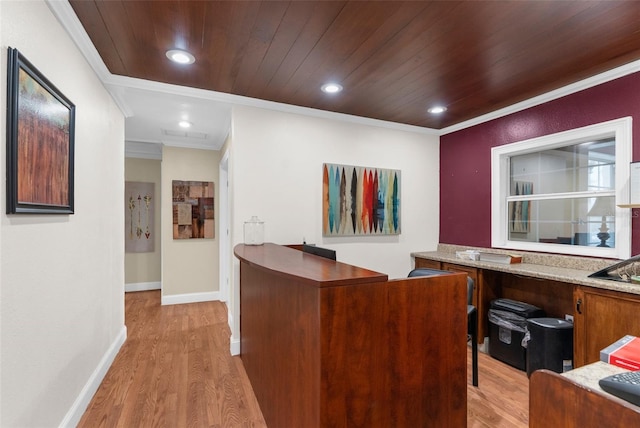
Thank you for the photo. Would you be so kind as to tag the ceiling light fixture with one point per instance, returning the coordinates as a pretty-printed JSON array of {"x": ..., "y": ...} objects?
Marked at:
[
  {"x": 184, "y": 124},
  {"x": 331, "y": 88},
  {"x": 437, "y": 110},
  {"x": 180, "y": 56}
]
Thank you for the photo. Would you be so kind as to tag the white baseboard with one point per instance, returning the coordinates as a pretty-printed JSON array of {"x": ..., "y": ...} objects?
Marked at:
[
  {"x": 142, "y": 286},
  {"x": 235, "y": 342},
  {"x": 235, "y": 346},
  {"x": 79, "y": 406},
  {"x": 177, "y": 299}
]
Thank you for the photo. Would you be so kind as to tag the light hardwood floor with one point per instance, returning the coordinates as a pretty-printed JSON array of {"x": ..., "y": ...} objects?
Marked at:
[{"x": 175, "y": 370}]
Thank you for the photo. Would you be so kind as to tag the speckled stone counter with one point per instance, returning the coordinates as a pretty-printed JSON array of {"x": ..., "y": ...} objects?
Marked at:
[
  {"x": 570, "y": 269},
  {"x": 575, "y": 400},
  {"x": 590, "y": 374}
]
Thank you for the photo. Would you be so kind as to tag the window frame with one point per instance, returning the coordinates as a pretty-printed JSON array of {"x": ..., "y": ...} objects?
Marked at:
[{"x": 621, "y": 130}]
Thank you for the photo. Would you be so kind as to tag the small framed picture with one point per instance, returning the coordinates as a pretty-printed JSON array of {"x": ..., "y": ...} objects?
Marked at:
[{"x": 40, "y": 142}]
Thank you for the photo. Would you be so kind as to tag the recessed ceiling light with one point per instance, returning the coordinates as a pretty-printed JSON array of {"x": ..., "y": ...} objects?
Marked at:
[
  {"x": 437, "y": 110},
  {"x": 331, "y": 88},
  {"x": 180, "y": 56},
  {"x": 184, "y": 124}
]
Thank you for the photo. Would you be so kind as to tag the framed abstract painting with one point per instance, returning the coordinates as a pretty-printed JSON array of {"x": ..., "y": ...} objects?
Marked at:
[
  {"x": 360, "y": 200},
  {"x": 40, "y": 142},
  {"x": 193, "y": 214}
]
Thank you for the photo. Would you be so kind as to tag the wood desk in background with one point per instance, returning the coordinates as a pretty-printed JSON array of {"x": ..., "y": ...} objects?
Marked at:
[
  {"x": 574, "y": 400},
  {"x": 603, "y": 311},
  {"x": 327, "y": 344}
]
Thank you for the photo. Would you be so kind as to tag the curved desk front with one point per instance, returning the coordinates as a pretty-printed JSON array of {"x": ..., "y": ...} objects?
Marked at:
[{"x": 327, "y": 344}]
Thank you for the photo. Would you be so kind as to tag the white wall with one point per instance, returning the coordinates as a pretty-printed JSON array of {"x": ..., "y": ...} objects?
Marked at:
[
  {"x": 189, "y": 266},
  {"x": 62, "y": 276},
  {"x": 276, "y": 174}
]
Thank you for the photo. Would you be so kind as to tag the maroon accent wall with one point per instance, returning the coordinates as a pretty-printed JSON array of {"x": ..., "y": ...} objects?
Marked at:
[{"x": 465, "y": 156}]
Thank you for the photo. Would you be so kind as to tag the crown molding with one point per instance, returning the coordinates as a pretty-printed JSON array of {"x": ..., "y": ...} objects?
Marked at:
[
  {"x": 143, "y": 150},
  {"x": 607, "y": 76},
  {"x": 231, "y": 99},
  {"x": 67, "y": 17},
  {"x": 63, "y": 11}
]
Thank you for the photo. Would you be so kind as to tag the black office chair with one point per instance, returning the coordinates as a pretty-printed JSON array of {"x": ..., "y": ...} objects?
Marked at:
[{"x": 472, "y": 317}]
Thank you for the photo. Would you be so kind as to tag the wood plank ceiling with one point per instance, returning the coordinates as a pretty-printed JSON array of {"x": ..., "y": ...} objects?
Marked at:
[{"x": 394, "y": 59}]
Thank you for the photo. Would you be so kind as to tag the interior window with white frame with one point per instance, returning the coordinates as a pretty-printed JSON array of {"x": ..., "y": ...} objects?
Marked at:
[{"x": 560, "y": 193}]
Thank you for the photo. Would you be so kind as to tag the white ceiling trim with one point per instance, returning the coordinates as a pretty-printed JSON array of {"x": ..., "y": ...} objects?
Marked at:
[
  {"x": 607, "y": 76},
  {"x": 142, "y": 150},
  {"x": 116, "y": 94},
  {"x": 231, "y": 99},
  {"x": 179, "y": 143},
  {"x": 67, "y": 17}
]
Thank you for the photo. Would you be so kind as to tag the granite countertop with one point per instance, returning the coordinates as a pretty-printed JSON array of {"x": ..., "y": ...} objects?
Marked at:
[
  {"x": 571, "y": 269},
  {"x": 590, "y": 374}
]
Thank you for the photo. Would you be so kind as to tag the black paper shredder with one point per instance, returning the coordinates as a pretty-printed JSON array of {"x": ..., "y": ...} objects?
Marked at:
[
  {"x": 550, "y": 345},
  {"x": 507, "y": 327}
]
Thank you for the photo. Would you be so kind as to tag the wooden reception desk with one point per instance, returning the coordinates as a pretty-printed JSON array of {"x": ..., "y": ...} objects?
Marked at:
[
  {"x": 575, "y": 400},
  {"x": 327, "y": 344}
]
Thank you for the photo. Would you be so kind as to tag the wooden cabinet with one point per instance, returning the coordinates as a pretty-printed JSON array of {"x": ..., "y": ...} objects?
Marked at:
[
  {"x": 471, "y": 272},
  {"x": 600, "y": 318},
  {"x": 481, "y": 304},
  {"x": 481, "y": 296},
  {"x": 427, "y": 264}
]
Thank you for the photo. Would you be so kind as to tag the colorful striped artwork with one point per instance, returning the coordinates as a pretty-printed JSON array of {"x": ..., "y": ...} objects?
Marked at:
[
  {"x": 360, "y": 201},
  {"x": 520, "y": 211}
]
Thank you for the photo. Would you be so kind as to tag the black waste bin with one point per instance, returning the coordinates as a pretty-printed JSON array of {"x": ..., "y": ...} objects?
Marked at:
[
  {"x": 507, "y": 327},
  {"x": 549, "y": 345}
]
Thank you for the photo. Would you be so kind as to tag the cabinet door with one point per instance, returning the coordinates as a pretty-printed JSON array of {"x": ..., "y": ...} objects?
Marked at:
[
  {"x": 472, "y": 272},
  {"x": 601, "y": 317},
  {"x": 427, "y": 263}
]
